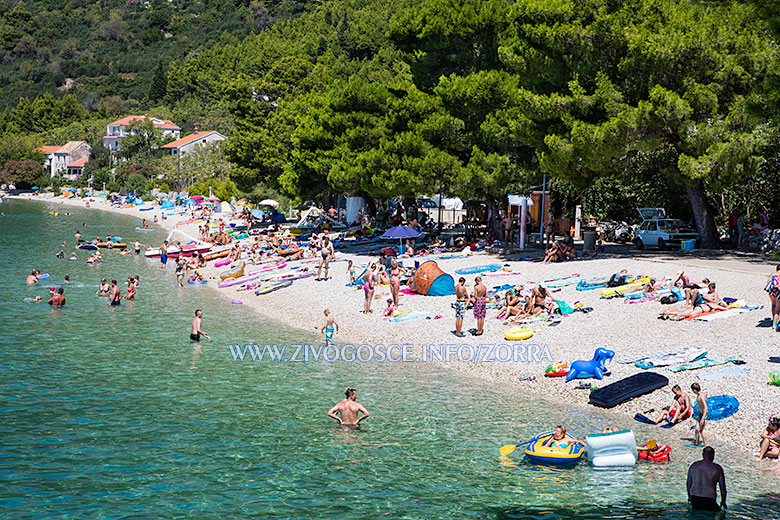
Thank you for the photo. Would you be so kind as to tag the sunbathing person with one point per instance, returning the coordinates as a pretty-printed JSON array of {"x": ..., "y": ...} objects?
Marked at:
[
  {"x": 702, "y": 303},
  {"x": 511, "y": 306},
  {"x": 647, "y": 288},
  {"x": 535, "y": 304},
  {"x": 679, "y": 411},
  {"x": 553, "y": 254}
]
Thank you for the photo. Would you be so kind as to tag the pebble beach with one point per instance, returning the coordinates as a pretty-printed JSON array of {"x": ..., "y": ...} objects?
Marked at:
[{"x": 629, "y": 329}]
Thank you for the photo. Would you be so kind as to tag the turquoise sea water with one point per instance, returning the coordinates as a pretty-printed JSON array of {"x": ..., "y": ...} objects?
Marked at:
[{"x": 112, "y": 413}]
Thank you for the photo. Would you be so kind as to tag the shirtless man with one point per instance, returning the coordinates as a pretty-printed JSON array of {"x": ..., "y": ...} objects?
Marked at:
[
  {"x": 701, "y": 415},
  {"x": 704, "y": 477},
  {"x": 196, "y": 332},
  {"x": 57, "y": 299},
  {"x": 329, "y": 327},
  {"x": 326, "y": 251},
  {"x": 32, "y": 278},
  {"x": 163, "y": 255},
  {"x": 462, "y": 298},
  {"x": 480, "y": 301},
  {"x": 138, "y": 247},
  {"x": 537, "y": 303},
  {"x": 680, "y": 410},
  {"x": 115, "y": 297},
  {"x": 348, "y": 408}
]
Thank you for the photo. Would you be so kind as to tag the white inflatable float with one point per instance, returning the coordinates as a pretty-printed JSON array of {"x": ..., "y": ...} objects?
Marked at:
[{"x": 612, "y": 448}]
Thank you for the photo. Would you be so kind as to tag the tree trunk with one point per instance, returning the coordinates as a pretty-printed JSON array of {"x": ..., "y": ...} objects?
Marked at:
[{"x": 704, "y": 216}]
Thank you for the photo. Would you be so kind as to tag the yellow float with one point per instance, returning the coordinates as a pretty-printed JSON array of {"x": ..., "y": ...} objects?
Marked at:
[
  {"x": 518, "y": 333},
  {"x": 567, "y": 451}
]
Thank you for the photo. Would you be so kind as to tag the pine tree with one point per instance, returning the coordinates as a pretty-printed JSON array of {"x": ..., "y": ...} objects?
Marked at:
[{"x": 159, "y": 84}]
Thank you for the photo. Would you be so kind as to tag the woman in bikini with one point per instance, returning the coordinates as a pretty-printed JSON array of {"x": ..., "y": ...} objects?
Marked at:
[
  {"x": 368, "y": 288},
  {"x": 773, "y": 288},
  {"x": 395, "y": 280}
]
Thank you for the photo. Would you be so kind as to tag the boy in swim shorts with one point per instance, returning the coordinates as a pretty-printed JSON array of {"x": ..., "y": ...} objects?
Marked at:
[
  {"x": 462, "y": 296},
  {"x": 680, "y": 410},
  {"x": 701, "y": 414},
  {"x": 330, "y": 326},
  {"x": 480, "y": 299}
]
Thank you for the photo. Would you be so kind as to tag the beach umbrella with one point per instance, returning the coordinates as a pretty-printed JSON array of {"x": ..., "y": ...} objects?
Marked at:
[
  {"x": 73, "y": 190},
  {"x": 401, "y": 232},
  {"x": 213, "y": 199},
  {"x": 35, "y": 188},
  {"x": 259, "y": 214},
  {"x": 197, "y": 197},
  {"x": 268, "y": 202}
]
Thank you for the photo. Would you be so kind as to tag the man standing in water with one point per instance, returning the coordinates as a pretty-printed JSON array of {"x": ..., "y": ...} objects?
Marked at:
[
  {"x": 480, "y": 302},
  {"x": 703, "y": 478},
  {"x": 163, "y": 254},
  {"x": 462, "y": 297},
  {"x": 348, "y": 408},
  {"x": 115, "y": 297},
  {"x": 196, "y": 332},
  {"x": 57, "y": 299},
  {"x": 326, "y": 251}
]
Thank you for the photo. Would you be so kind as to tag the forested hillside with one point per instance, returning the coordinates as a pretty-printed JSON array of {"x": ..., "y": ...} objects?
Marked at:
[
  {"x": 111, "y": 47},
  {"x": 661, "y": 102}
]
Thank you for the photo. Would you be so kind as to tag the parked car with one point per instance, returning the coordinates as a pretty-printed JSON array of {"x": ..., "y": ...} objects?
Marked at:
[{"x": 657, "y": 230}]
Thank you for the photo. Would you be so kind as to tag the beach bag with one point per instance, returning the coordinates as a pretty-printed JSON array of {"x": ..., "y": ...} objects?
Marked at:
[
  {"x": 773, "y": 286},
  {"x": 669, "y": 299}
]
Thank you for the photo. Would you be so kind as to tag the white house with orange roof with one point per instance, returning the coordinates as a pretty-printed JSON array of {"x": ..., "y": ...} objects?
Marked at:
[
  {"x": 68, "y": 160},
  {"x": 190, "y": 143},
  {"x": 120, "y": 128}
]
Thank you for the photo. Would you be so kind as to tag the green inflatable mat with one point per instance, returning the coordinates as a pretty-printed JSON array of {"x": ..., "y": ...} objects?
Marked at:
[{"x": 702, "y": 363}]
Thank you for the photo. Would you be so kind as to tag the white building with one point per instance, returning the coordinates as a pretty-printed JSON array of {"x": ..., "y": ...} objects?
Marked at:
[
  {"x": 118, "y": 129},
  {"x": 66, "y": 161},
  {"x": 190, "y": 142}
]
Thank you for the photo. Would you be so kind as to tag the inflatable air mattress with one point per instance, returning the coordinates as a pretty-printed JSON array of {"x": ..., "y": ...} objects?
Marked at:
[
  {"x": 719, "y": 407},
  {"x": 479, "y": 269},
  {"x": 625, "y": 389},
  {"x": 611, "y": 449}
]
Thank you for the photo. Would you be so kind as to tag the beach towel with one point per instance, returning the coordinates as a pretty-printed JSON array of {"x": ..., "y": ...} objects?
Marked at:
[
  {"x": 407, "y": 316},
  {"x": 563, "y": 282},
  {"x": 585, "y": 285},
  {"x": 702, "y": 363},
  {"x": 731, "y": 370},
  {"x": 657, "y": 354},
  {"x": 686, "y": 356},
  {"x": 727, "y": 313}
]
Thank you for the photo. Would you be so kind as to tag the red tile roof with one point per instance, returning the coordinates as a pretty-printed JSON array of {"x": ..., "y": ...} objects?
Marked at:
[
  {"x": 80, "y": 163},
  {"x": 188, "y": 139},
  {"x": 49, "y": 149},
  {"x": 164, "y": 124}
]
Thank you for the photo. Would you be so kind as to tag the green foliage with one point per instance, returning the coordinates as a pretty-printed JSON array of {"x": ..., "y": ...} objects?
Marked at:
[
  {"x": 41, "y": 114},
  {"x": 17, "y": 147},
  {"x": 223, "y": 190},
  {"x": 23, "y": 173},
  {"x": 126, "y": 171},
  {"x": 159, "y": 83},
  {"x": 144, "y": 140},
  {"x": 136, "y": 183}
]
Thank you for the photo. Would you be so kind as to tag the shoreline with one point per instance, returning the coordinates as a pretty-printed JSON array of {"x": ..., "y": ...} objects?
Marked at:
[{"x": 628, "y": 329}]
